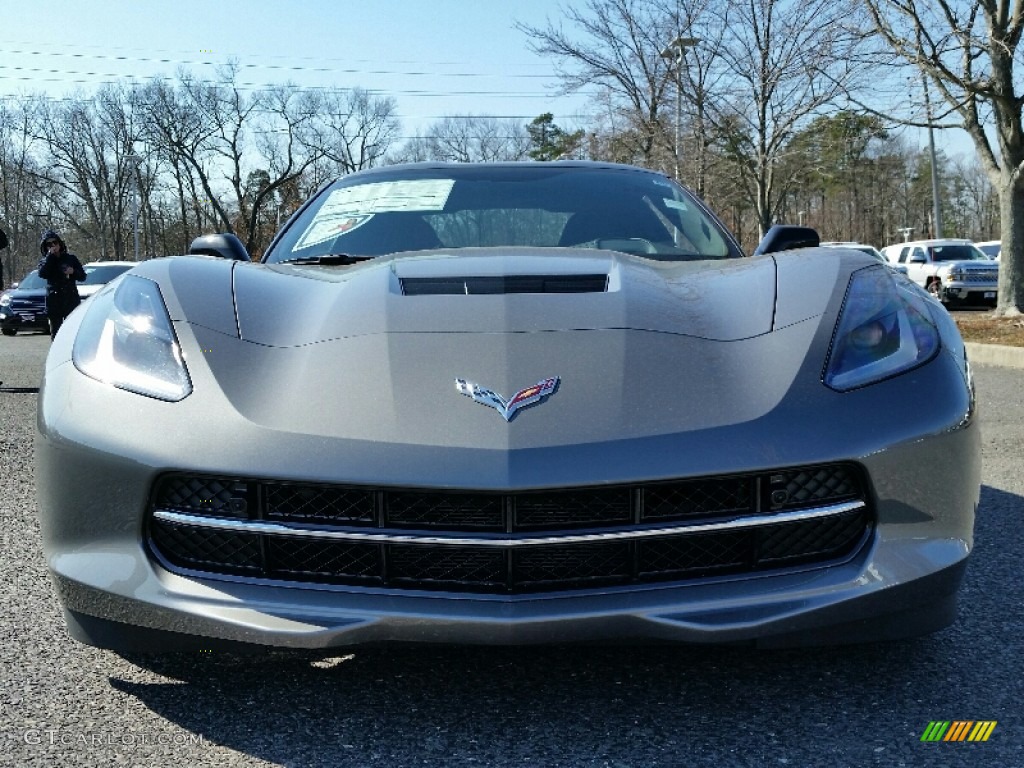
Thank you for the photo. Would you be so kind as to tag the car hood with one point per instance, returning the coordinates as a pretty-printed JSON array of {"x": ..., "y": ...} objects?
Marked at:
[
  {"x": 505, "y": 291},
  {"x": 332, "y": 354},
  {"x": 88, "y": 290},
  {"x": 28, "y": 293},
  {"x": 976, "y": 264}
]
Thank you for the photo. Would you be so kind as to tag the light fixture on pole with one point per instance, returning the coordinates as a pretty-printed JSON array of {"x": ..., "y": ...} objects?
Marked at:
[{"x": 675, "y": 50}]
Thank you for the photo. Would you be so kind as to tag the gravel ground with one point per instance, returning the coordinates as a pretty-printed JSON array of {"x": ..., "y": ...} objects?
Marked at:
[{"x": 65, "y": 704}]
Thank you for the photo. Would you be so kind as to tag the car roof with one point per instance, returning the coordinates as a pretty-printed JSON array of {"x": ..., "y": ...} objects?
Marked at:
[
  {"x": 111, "y": 264},
  {"x": 934, "y": 241},
  {"x": 517, "y": 164}
]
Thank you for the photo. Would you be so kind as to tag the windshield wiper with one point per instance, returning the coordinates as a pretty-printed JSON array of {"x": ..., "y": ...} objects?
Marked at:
[{"x": 328, "y": 259}]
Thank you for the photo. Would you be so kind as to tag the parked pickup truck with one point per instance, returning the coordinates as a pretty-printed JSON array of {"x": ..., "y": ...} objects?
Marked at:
[{"x": 953, "y": 271}]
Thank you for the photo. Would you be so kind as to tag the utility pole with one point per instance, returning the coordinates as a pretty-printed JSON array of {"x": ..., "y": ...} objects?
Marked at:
[{"x": 936, "y": 208}]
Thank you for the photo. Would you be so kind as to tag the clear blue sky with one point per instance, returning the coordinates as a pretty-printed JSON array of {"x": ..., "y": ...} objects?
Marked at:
[{"x": 435, "y": 57}]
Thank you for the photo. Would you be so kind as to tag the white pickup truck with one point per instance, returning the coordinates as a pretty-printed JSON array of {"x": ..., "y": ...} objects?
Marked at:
[{"x": 953, "y": 271}]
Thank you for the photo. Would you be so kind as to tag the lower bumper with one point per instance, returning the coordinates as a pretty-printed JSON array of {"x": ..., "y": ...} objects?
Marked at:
[
  {"x": 9, "y": 322},
  {"x": 866, "y": 599},
  {"x": 971, "y": 293}
]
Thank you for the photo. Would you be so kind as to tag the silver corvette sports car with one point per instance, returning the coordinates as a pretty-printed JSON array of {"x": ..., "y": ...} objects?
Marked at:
[{"x": 512, "y": 403}]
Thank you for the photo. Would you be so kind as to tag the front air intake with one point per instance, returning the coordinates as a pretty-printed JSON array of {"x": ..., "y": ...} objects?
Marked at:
[
  {"x": 501, "y": 284},
  {"x": 510, "y": 542}
]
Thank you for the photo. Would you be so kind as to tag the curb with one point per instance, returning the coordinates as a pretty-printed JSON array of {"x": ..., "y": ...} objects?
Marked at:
[{"x": 995, "y": 354}]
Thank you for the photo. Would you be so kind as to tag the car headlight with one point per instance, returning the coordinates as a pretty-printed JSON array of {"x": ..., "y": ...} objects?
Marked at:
[
  {"x": 956, "y": 273},
  {"x": 126, "y": 340},
  {"x": 884, "y": 329},
  {"x": 5, "y": 301}
]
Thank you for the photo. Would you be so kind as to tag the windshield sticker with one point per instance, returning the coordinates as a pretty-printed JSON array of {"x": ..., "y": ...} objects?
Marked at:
[
  {"x": 324, "y": 228},
  {"x": 349, "y": 208},
  {"x": 391, "y": 196}
]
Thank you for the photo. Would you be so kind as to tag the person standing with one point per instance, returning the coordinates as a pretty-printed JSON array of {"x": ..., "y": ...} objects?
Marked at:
[{"x": 61, "y": 270}]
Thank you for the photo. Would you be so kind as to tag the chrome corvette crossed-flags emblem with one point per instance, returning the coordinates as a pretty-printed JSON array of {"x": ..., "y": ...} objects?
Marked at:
[{"x": 507, "y": 408}]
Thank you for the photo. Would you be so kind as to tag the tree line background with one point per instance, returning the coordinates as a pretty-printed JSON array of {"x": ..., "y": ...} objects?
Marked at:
[{"x": 772, "y": 110}]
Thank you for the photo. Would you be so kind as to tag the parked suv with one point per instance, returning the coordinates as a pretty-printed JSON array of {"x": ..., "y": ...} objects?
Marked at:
[
  {"x": 951, "y": 270},
  {"x": 23, "y": 306}
]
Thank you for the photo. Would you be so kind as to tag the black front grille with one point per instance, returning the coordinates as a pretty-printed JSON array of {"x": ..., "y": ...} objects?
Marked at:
[
  {"x": 36, "y": 304},
  {"x": 650, "y": 532},
  {"x": 320, "y": 503}
]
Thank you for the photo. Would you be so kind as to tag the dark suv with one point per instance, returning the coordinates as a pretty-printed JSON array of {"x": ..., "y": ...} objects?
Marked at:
[{"x": 23, "y": 307}]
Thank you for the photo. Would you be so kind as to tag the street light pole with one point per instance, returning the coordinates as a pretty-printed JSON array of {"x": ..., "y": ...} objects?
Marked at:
[
  {"x": 133, "y": 162},
  {"x": 675, "y": 50}
]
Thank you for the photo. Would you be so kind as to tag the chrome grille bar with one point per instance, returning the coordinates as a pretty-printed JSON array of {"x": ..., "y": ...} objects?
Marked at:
[{"x": 505, "y": 541}]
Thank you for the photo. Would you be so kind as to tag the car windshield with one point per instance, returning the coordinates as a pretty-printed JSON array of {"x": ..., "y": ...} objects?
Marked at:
[
  {"x": 990, "y": 249},
  {"x": 955, "y": 253},
  {"x": 103, "y": 274},
  {"x": 32, "y": 282},
  {"x": 538, "y": 205},
  {"x": 870, "y": 251}
]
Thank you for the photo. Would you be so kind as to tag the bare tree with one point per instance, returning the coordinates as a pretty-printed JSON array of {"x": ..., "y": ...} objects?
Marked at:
[
  {"x": 230, "y": 112},
  {"x": 20, "y": 197},
  {"x": 616, "y": 46},
  {"x": 88, "y": 178},
  {"x": 969, "y": 52},
  {"x": 177, "y": 133},
  {"x": 353, "y": 130},
  {"x": 755, "y": 76},
  {"x": 231, "y": 150},
  {"x": 978, "y": 199},
  {"x": 287, "y": 146},
  {"x": 786, "y": 62},
  {"x": 469, "y": 139}
]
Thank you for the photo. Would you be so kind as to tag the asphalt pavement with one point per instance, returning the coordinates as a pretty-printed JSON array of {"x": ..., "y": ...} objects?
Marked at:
[{"x": 62, "y": 703}]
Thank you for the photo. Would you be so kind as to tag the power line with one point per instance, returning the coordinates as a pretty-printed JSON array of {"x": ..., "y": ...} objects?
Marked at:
[
  {"x": 289, "y": 68},
  {"x": 78, "y": 77},
  {"x": 32, "y": 49}
]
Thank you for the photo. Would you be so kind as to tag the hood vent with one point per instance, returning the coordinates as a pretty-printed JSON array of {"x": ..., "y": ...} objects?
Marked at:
[{"x": 499, "y": 284}]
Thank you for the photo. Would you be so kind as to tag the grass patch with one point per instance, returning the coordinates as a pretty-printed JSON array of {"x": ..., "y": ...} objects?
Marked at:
[{"x": 985, "y": 328}]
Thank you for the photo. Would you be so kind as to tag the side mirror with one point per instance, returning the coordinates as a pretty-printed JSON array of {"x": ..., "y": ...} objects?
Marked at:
[
  {"x": 225, "y": 245},
  {"x": 918, "y": 259},
  {"x": 786, "y": 237}
]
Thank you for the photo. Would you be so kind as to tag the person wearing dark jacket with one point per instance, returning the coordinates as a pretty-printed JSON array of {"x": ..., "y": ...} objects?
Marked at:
[{"x": 61, "y": 270}]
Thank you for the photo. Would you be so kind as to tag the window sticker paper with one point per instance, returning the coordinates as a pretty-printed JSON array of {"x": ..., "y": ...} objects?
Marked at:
[{"x": 349, "y": 208}]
